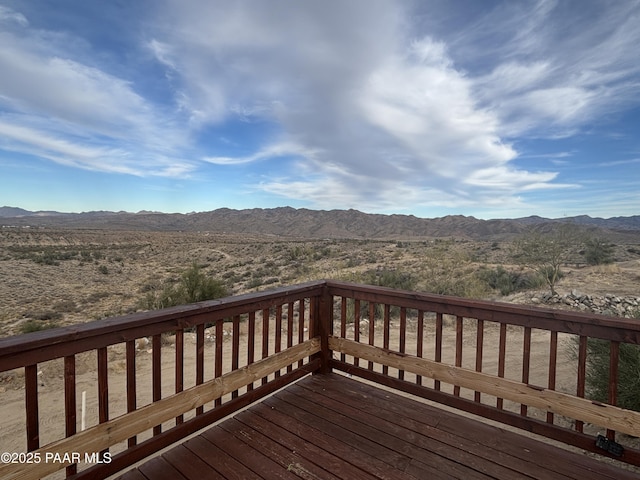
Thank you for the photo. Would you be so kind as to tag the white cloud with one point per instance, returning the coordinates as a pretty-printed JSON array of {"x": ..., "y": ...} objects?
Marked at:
[{"x": 10, "y": 16}]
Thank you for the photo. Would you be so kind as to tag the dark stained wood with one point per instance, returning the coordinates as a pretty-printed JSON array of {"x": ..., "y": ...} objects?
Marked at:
[
  {"x": 200, "y": 360},
  {"x": 479, "y": 351},
  {"x": 156, "y": 374},
  {"x": 526, "y": 363},
  {"x": 265, "y": 337},
  {"x": 235, "y": 349},
  {"x": 372, "y": 331},
  {"x": 582, "y": 369},
  {"x": 301, "y": 327},
  {"x": 356, "y": 326},
  {"x": 438, "y": 346},
  {"x": 459, "y": 333},
  {"x": 386, "y": 333},
  {"x": 553, "y": 360},
  {"x": 278, "y": 333},
  {"x": 251, "y": 343},
  {"x": 502, "y": 351},
  {"x": 218, "y": 355},
  {"x": 131, "y": 383},
  {"x": 614, "y": 356},
  {"x": 330, "y": 426},
  {"x": 403, "y": 337},
  {"x": 70, "y": 401},
  {"x": 564, "y": 435},
  {"x": 419, "y": 340},
  {"x": 290, "y": 330},
  {"x": 149, "y": 447},
  {"x": 179, "y": 373},
  {"x": 343, "y": 322},
  {"x": 103, "y": 386}
]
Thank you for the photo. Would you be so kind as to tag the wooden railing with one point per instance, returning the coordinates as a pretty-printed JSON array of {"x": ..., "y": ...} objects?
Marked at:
[
  {"x": 223, "y": 355},
  {"x": 518, "y": 365},
  {"x": 521, "y": 366}
]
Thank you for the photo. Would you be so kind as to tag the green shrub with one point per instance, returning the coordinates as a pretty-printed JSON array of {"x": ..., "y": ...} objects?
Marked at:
[
  {"x": 597, "y": 373},
  {"x": 194, "y": 286},
  {"x": 35, "y": 326},
  {"x": 508, "y": 282},
  {"x": 598, "y": 252}
]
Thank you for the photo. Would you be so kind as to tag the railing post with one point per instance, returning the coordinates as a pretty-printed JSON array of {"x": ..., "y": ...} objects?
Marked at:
[{"x": 324, "y": 327}]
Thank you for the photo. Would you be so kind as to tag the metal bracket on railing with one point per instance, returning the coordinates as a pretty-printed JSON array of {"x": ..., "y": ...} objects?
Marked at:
[{"x": 610, "y": 446}]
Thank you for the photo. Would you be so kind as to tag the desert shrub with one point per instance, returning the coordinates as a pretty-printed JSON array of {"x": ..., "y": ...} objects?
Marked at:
[
  {"x": 598, "y": 252},
  {"x": 597, "y": 373},
  {"x": 508, "y": 282},
  {"x": 35, "y": 326},
  {"x": 386, "y": 278},
  {"x": 103, "y": 269},
  {"x": 193, "y": 286}
]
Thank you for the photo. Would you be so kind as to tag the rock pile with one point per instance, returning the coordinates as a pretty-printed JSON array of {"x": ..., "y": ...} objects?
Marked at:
[{"x": 606, "y": 305}]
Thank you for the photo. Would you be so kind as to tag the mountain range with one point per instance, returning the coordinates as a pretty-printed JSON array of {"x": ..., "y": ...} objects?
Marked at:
[{"x": 305, "y": 223}]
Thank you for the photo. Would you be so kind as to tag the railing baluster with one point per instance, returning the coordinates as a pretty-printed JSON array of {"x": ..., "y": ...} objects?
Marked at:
[
  {"x": 385, "y": 334},
  {"x": 479, "y": 352},
  {"x": 438, "y": 346},
  {"x": 103, "y": 389},
  {"x": 265, "y": 338},
  {"x": 278, "y": 339},
  {"x": 131, "y": 383},
  {"x": 553, "y": 360},
  {"x": 356, "y": 326},
  {"x": 218, "y": 354},
  {"x": 290, "y": 331},
  {"x": 200, "y": 360},
  {"x": 31, "y": 405},
  {"x": 582, "y": 368},
  {"x": 179, "y": 378},
  {"x": 419, "y": 341},
  {"x": 156, "y": 360},
  {"x": 70, "y": 402},
  {"x": 103, "y": 386},
  {"x": 372, "y": 322},
  {"x": 614, "y": 357},
  {"x": 459, "y": 333},
  {"x": 301, "y": 318},
  {"x": 235, "y": 349},
  {"x": 343, "y": 324},
  {"x": 502, "y": 350},
  {"x": 403, "y": 336},
  {"x": 526, "y": 363},
  {"x": 251, "y": 342}
]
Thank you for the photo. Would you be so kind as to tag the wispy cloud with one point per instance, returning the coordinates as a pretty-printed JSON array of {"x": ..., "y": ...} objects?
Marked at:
[{"x": 77, "y": 114}]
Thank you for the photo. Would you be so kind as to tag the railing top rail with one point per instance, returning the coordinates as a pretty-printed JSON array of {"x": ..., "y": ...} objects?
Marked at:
[
  {"x": 579, "y": 323},
  {"x": 45, "y": 345}
]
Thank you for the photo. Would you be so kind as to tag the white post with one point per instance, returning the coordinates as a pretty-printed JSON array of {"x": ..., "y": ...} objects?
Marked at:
[{"x": 84, "y": 408}]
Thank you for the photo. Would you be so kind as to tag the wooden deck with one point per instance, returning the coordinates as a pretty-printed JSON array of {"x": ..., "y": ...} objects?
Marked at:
[{"x": 334, "y": 427}]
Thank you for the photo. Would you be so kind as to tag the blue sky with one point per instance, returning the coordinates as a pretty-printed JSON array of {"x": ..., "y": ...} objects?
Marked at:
[{"x": 496, "y": 109}]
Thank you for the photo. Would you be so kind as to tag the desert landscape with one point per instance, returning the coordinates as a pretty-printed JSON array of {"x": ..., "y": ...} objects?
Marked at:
[{"x": 54, "y": 276}]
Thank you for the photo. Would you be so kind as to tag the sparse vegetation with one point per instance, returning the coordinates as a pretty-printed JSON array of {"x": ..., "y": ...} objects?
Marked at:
[
  {"x": 508, "y": 282},
  {"x": 598, "y": 252},
  {"x": 546, "y": 252},
  {"x": 89, "y": 274},
  {"x": 194, "y": 286}
]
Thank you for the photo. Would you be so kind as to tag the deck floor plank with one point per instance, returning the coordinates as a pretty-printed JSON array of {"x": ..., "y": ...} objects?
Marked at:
[
  {"x": 465, "y": 447},
  {"x": 331, "y": 426},
  {"x": 496, "y": 440}
]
